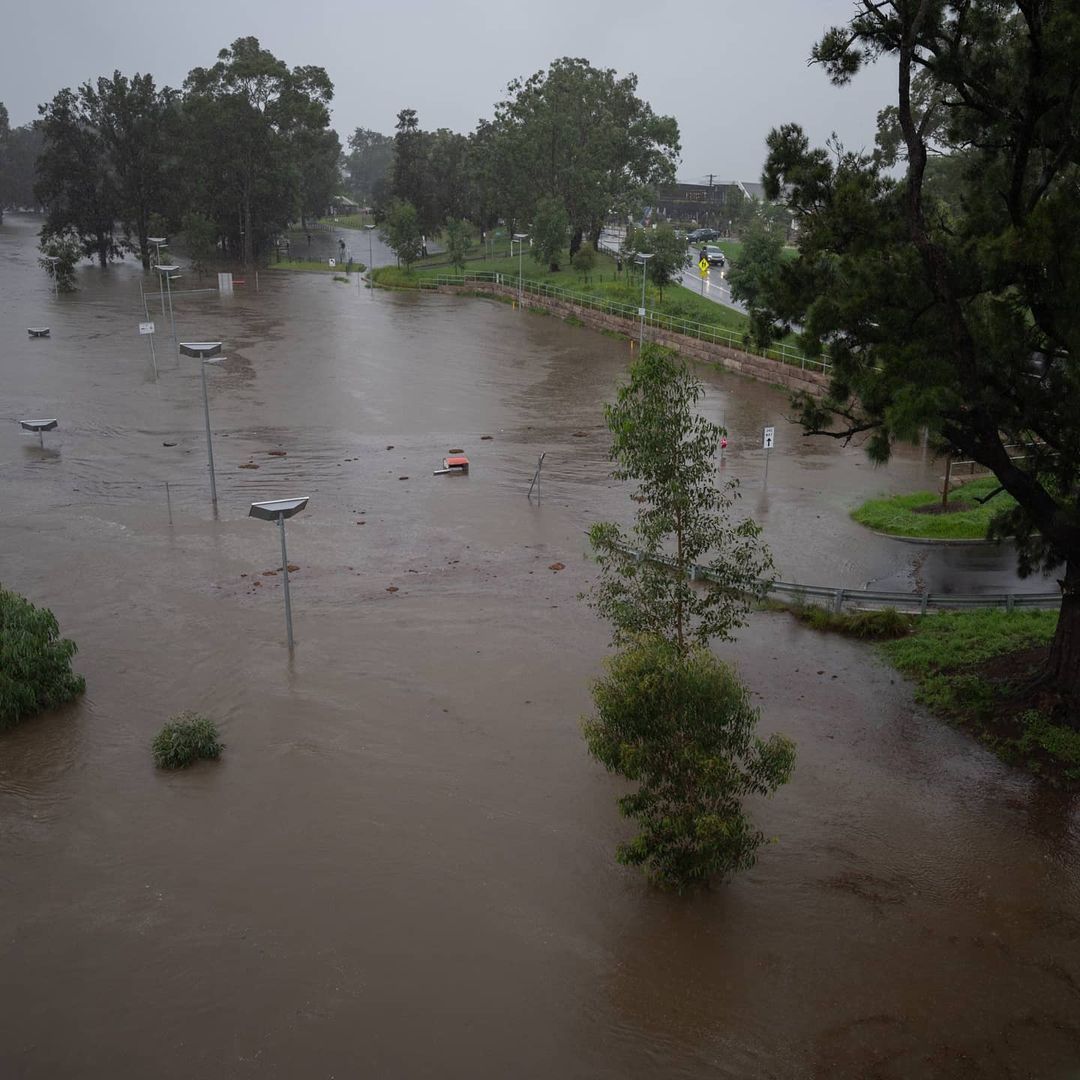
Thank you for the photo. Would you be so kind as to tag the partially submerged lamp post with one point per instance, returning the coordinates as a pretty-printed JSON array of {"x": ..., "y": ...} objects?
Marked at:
[
  {"x": 643, "y": 259},
  {"x": 519, "y": 238},
  {"x": 166, "y": 272},
  {"x": 278, "y": 510},
  {"x": 208, "y": 352},
  {"x": 159, "y": 242},
  {"x": 39, "y": 426},
  {"x": 370, "y": 268}
]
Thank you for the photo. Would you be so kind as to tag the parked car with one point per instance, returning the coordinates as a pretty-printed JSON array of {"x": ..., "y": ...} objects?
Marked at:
[
  {"x": 699, "y": 236},
  {"x": 714, "y": 255}
]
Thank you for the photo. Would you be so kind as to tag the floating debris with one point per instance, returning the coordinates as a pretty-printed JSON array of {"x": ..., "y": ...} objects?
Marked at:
[
  {"x": 557, "y": 566},
  {"x": 392, "y": 588},
  {"x": 249, "y": 465},
  {"x": 168, "y": 444},
  {"x": 277, "y": 453}
]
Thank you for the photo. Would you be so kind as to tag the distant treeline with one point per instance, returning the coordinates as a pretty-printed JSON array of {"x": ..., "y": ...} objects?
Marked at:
[{"x": 245, "y": 149}]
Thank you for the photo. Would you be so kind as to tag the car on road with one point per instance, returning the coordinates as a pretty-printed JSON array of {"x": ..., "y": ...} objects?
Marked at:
[
  {"x": 715, "y": 256},
  {"x": 699, "y": 236}
]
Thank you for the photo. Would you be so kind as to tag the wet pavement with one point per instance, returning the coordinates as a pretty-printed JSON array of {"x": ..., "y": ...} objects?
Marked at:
[{"x": 403, "y": 864}]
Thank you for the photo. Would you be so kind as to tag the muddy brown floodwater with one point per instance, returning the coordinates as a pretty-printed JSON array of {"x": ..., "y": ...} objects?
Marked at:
[{"x": 402, "y": 866}]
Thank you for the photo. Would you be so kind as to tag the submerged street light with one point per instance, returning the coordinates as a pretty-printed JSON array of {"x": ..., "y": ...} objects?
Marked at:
[
  {"x": 278, "y": 510},
  {"x": 39, "y": 426},
  {"x": 209, "y": 352},
  {"x": 370, "y": 268},
  {"x": 643, "y": 259},
  {"x": 166, "y": 271},
  {"x": 54, "y": 261},
  {"x": 520, "y": 238}
]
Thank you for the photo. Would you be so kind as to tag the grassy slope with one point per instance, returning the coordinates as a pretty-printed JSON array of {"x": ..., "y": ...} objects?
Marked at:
[
  {"x": 896, "y": 515},
  {"x": 951, "y": 657}
]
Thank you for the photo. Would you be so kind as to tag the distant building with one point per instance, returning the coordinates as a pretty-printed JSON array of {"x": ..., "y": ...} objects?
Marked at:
[{"x": 702, "y": 204}]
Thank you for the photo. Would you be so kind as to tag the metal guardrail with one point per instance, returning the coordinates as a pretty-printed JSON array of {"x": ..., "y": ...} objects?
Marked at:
[
  {"x": 718, "y": 335},
  {"x": 835, "y": 599}
]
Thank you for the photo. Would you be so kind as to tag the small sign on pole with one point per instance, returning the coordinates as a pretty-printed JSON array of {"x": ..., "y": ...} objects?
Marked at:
[
  {"x": 332, "y": 262},
  {"x": 768, "y": 437},
  {"x": 703, "y": 266},
  {"x": 146, "y": 328}
]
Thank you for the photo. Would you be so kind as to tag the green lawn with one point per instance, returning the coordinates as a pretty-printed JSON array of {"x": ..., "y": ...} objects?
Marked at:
[
  {"x": 603, "y": 281},
  {"x": 897, "y": 515}
]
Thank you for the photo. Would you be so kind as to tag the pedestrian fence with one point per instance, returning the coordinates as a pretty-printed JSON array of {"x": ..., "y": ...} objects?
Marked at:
[
  {"x": 654, "y": 320},
  {"x": 837, "y": 599}
]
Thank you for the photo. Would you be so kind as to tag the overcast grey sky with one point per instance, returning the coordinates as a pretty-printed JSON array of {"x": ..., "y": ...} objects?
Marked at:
[{"x": 727, "y": 70}]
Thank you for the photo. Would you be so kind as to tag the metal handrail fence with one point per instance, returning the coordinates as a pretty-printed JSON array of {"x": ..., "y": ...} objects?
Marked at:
[
  {"x": 868, "y": 599},
  {"x": 718, "y": 335}
]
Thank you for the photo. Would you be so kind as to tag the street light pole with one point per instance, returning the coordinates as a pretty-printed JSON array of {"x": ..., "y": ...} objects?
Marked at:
[
  {"x": 206, "y": 352},
  {"x": 370, "y": 259},
  {"x": 520, "y": 238},
  {"x": 277, "y": 510},
  {"x": 167, "y": 271},
  {"x": 643, "y": 259}
]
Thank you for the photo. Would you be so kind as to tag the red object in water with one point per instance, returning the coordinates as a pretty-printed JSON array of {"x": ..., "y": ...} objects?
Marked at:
[
  {"x": 723, "y": 442},
  {"x": 238, "y": 281},
  {"x": 456, "y": 461}
]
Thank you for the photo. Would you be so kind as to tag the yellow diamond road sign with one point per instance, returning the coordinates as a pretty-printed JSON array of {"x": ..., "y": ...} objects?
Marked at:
[{"x": 703, "y": 266}]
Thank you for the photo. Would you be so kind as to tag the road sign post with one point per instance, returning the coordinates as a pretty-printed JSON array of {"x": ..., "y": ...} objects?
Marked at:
[
  {"x": 146, "y": 329},
  {"x": 768, "y": 437}
]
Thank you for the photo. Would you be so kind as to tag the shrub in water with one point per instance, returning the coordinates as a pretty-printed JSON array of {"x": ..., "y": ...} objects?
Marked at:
[
  {"x": 35, "y": 662},
  {"x": 184, "y": 739}
]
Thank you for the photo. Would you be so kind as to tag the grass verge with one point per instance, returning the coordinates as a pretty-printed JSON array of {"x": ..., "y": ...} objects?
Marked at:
[
  {"x": 979, "y": 670},
  {"x": 906, "y": 515},
  {"x": 315, "y": 265}
]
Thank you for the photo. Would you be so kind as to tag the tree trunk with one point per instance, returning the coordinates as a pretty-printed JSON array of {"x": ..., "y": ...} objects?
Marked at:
[
  {"x": 1064, "y": 663},
  {"x": 575, "y": 242},
  {"x": 247, "y": 232}
]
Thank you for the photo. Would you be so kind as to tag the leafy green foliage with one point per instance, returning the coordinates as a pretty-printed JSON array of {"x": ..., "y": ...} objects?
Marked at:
[
  {"x": 681, "y": 726},
  {"x": 947, "y": 297},
  {"x": 67, "y": 248},
  {"x": 898, "y": 515},
  {"x": 185, "y": 739},
  {"x": 200, "y": 239},
  {"x": 458, "y": 242},
  {"x": 550, "y": 223},
  {"x": 660, "y": 442},
  {"x": 580, "y": 135},
  {"x": 758, "y": 262},
  {"x": 668, "y": 250},
  {"x": 401, "y": 232},
  {"x": 18, "y": 165},
  {"x": 370, "y": 157},
  {"x": 585, "y": 260},
  {"x": 35, "y": 662}
]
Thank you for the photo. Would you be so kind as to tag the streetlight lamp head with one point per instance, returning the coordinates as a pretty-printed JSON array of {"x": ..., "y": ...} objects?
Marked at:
[
  {"x": 166, "y": 268},
  {"x": 39, "y": 425},
  {"x": 369, "y": 227},
  {"x": 521, "y": 236},
  {"x": 642, "y": 257},
  {"x": 201, "y": 350},
  {"x": 157, "y": 239},
  {"x": 269, "y": 511}
]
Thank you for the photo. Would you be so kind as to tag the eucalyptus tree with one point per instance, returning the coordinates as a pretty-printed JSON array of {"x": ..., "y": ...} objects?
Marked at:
[
  {"x": 670, "y": 716},
  {"x": 248, "y": 119},
  {"x": 581, "y": 135}
]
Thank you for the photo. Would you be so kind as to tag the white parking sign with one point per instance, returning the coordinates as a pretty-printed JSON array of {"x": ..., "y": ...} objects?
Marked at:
[{"x": 768, "y": 435}]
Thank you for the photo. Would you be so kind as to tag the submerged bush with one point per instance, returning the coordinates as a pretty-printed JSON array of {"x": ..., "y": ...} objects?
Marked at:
[
  {"x": 35, "y": 662},
  {"x": 879, "y": 625},
  {"x": 184, "y": 739}
]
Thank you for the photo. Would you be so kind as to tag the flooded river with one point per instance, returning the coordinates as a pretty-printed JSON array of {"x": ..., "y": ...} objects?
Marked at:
[{"x": 402, "y": 866}]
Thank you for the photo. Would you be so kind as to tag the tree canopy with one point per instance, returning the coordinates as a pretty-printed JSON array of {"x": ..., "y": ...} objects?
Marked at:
[{"x": 946, "y": 297}]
